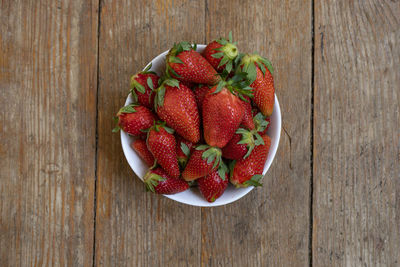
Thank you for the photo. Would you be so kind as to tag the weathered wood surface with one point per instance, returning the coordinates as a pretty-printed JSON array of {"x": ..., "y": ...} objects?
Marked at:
[
  {"x": 134, "y": 227},
  {"x": 356, "y": 134},
  {"x": 50, "y": 211},
  {"x": 270, "y": 226},
  {"x": 48, "y": 63}
]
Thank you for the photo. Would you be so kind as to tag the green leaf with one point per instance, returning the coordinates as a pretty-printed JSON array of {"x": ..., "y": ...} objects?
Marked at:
[
  {"x": 202, "y": 147},
  {"x": 185, "y": 149},
  {"x": 160, "y": 96},
  {"x": 223, "y": 61},
  {"x": 150, "y": 83},
  {"x": 207, "y": 153},
  {"x": 218, "y": 55},
  {"x": 249, "y": 150},
  {"x": 139, "y": 87},
  {"x": 116, "y": 129},
  {"x": 221, "y": 85},
  {"x": 252, "y": 183},
  {"x": 169, "y": 130},
  {"x": 228, "y": 66},
  {"x": 259, "y": 140},
  {"x": 194, "y": 46},
  {"x": 172, "y": 82},
  {"x": 251, "y": 72},
  {"x": 134, "y": 96},
  {"x": 127, "y": 109},
  {"x": 210, "y": 158},
  {"x": 222, "y": 169},
  {"x": 175, "y": 60},
  {"x": 268, "y": 64},
  {"x": 230, "y": 37},
  {"x": 222, "y": 41},
  {"x": 261, "y": 66},
  {"x": 172, "y": 71}
]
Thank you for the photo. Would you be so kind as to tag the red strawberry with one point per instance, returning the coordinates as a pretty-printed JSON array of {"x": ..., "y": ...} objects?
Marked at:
[
  {"x": 212, "y": 186},
  {"x": 247, "y": 122},
  {"x": 261, "y": 123},
  {"x": 158, "y": 181},
  {"x": 259, "y": 72},
  {"x": 140, "y": 147},
  {"x": 202, "y": 161},
  {"x": 183, "y": 150},
  {"x": 187, "y": 65},
  {"x": 161, "y": 143},
  {"x": 222, "y": 113},
  {"x": 143, "y": 84},
  {"x": 176, "y": 105},
  {"x": 248, "y": 171},
  {"x": 133, "y": 119},
  {"x": 221, "y": 53},
  {"x": 199, "y": 92}
]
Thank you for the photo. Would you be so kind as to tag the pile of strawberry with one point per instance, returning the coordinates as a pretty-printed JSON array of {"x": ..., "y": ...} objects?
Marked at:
[{"x": 204, "y": 121}]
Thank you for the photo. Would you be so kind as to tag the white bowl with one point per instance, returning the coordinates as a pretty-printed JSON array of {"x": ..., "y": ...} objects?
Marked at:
[{"x": 193, "y": 196}]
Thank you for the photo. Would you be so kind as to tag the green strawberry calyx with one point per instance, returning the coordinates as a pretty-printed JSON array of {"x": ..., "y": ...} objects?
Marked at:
[
  {"x": 260, "y": 122},
  {"x": 157, "y": 127},
  {"x": 151, "y": 180},
  {"x": 249, "y": 63},
  {"x": 253, "y": 181},
  {"x": 227, "y": 52},
  {"x": 214, "y": 154},
  {"x": 249, "y": 138},
  {"x": 160, "y": 91},
  {"x": 237, "y": 85}
]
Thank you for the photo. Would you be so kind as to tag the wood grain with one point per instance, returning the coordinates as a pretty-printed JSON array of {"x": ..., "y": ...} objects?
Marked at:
[
  {"x": 48, "y": 56},
  {"x": 134, "y": 227},
  {"x": 270, "y": 226},
  {"x": 356, "y": 136}
]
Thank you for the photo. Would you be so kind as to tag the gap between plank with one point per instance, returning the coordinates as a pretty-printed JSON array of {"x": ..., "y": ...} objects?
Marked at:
[
  {"x": 97, "y": 133},
  {"x": 310, "y": 244}
]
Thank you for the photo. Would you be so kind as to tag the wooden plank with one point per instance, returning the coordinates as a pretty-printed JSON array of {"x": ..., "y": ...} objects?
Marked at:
[
  {"x": 134, "y": 227},
  {"x": 48, "y": 55},
  {"x": 270, "y": 226},
  {"x": 356, "y": 134}
]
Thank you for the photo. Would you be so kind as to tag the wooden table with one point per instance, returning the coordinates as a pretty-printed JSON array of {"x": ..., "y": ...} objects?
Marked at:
[{"x": 68, "y": 196}]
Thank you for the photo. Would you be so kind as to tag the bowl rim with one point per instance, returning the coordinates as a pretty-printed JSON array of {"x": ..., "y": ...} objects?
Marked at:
[{"x": 244, "y": 191}]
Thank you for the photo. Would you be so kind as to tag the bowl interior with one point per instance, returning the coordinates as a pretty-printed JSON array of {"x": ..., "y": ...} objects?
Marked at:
[{"x": 193, "y": 196}]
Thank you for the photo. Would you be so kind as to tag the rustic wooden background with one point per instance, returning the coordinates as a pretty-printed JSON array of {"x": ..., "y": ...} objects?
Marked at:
[{"x": 69, "y": 198}]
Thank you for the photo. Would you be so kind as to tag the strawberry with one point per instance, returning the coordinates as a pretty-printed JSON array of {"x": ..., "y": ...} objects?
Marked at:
[
  {"x": 134, "y": 119},
  {"x": 212, "y": 186},
  {"x": 161, "y": 143},
  {"x": 158, "y": 181},
  {"x": 261, "y": 123},
  {"x": 221, "y": 54},
  {"x": 242, "y": 144},
  {"x": 140, "y": 147},
  {"x": 183, "y": 150},
  {"x": 247, "y": 121},
  {"x": 259, "y": 72},
  {"x": 202, "y": 161},
  {"x": 223, "y": 112},
  {"x": 176, "y": 105},
  {"x": 143, "y": 84},
  {"x": 187, "y": 65},
  {"x": 199, "y": 93},
  {"x": 248, "y": 171}
]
